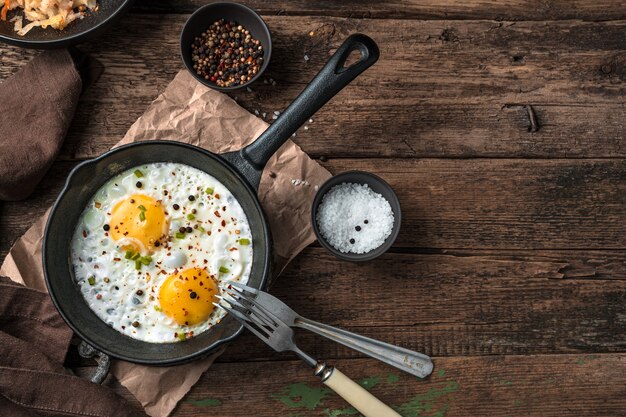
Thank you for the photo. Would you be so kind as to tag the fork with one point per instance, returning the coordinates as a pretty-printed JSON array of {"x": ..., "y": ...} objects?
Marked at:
[
  {"x": 279, "y": 337},
  {"x": 406, "y": 360}
]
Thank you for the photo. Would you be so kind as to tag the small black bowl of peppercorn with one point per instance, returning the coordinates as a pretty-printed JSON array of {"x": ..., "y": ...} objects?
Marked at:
[{"x": 226, "y": 46}]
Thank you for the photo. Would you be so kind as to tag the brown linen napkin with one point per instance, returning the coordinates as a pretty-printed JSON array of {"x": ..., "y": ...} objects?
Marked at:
[
  {"x": 33, "y": 343},
  {"x": 38, "y": 104},
  {"x": 190, "y": 112}
]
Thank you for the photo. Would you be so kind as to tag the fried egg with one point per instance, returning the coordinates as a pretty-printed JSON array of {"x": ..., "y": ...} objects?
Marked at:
[{"x": 155, "y": 246}]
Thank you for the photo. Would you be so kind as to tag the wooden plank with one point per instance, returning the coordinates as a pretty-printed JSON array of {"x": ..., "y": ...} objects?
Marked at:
[
  {"x": 441, "y": 89},
  {"x": 415, "y": 9},
  {"x": 458, "y": 303},
  {"x": 461, "y": 203},
  {"x": 505, "y": 203},
  {"x": 552, "y": 385}
]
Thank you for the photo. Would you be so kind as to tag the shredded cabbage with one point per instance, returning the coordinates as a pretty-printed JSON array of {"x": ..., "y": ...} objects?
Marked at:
[{"x": 54, "y": 13}]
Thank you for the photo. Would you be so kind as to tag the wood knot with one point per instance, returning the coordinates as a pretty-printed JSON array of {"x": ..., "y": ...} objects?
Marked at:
[
  {"x": 517, "y": 59},
  {"x": 449, "y": 35}
]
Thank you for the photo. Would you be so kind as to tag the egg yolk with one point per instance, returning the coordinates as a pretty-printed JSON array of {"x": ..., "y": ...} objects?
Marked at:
[
  {"x": 141, "y": 220},
  {"x": 188, "y": 297}
]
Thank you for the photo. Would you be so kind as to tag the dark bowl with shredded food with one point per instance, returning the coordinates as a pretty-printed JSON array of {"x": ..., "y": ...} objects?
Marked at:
[{"x": 92, "y": 23}]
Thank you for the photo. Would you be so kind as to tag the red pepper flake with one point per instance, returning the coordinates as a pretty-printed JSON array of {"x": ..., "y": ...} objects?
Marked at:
[
  {"x": 117, "y": 259},
  {"x": 223, "y": 223},
  {"x": 217, "y": 196},
  {"x": 217, "y": 214},
  {"x": 98, "y": 296},
  {"x": 97, "y": 205},
  {"x": 84, "y": 233},
  {"x": 232, "y": 249}
]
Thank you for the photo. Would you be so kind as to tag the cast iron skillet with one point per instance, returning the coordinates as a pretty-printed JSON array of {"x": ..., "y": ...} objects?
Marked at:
[
  {"x": 78, "y": 31},
  {"x": 240, "y": 171}
]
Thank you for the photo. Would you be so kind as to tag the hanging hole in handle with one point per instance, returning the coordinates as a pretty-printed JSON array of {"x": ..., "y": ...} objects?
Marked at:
[{"x": 356, "y": 55}]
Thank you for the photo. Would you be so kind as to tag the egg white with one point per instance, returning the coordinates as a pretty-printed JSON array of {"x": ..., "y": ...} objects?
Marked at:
[{"x": 120, "y": 294}]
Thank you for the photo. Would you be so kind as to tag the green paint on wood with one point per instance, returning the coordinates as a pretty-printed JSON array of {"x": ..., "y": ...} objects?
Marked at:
[
  {"x": 341, "y": 412},
  {"x": 506, "y": 382},
  {"x": 429, "y": 402},
  {"x": 369, "y": 383},
  {"x": 518, "y": 403},
  {"x": 584, "y": 359},
  {"x": 441, "y": 372},
  {"x": 301, "y": 395},
  {"x": 391, "y": 378},
  {"x": 207, "y": 402}
]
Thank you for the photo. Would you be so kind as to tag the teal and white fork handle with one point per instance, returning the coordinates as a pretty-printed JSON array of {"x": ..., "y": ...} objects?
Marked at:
[
  {"x": 356, "y": 395},
  {"x": 406, "y": 360}
]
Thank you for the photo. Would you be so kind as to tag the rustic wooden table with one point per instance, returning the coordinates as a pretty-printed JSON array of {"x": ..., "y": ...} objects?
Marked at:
[{"x": 500, "y": 124}]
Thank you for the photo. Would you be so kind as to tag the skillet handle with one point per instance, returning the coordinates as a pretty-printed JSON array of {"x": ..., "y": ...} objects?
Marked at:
[
  {"x": 327, "y": 83},
  {"x": 104, "y": 361}
]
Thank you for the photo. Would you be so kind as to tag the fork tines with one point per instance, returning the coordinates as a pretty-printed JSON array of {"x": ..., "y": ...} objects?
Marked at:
[{"x": 254, "y": 317}]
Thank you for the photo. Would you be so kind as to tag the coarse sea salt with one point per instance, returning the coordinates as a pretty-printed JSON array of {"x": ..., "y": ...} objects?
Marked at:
[{"x": 353, "y": 218}]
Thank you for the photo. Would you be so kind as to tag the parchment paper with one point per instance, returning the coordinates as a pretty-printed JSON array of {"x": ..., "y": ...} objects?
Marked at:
[{"x": 190, "y": 112}]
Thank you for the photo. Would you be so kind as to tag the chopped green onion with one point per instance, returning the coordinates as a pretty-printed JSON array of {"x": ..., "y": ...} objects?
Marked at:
[
  {"x": 137, "y": 264},
  {"x": 157, "y": 308},
  {"x": 180, "y": 235},
  {"x": 181, "y": 336},
  {"x": 145, "y": 260},
  {"x": 224, "y": 270},
  {"x": 190, "y": 216},
  {"x": 244, "y": 241},
  {"x": 142, "y": 216},
  {"x": 91, "y": 280},
  {"x": 129, "y": 254},
  {"x": 142, "y": 208},
  {"x": 135, "y": 257},
  {"x": 202, "y": 229},
  {"x": 209, "y": 190},
  {"x": 138, "y": 173},
  {"x": 149, "y": 258}
]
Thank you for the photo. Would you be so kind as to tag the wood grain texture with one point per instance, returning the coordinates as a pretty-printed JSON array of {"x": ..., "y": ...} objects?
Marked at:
[
  {"x": 417, "y": 9},
  {"x": 454, "y": 89},
  {"x": 458, "y": 302},
  {"x": 461, "y": 203},
  {"x": 551, "y": 385},
  {"x": 510, "y": 266},
  {"x": 474, "y": 203}
]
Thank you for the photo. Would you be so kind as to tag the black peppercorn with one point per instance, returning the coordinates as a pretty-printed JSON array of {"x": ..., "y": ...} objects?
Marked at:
[
  {"x": 358, "y": 228},
  {"x": 226, "y": 54},
  {"x": 175, "y": 206},
  {"x": 138, "y": 184},
  {"x": 191, "y": 198},
  {"x": 189, "y": 229},
  {"x": 106, "y": 227},
  {"x": 193, "y": 294},
  {"x": 352, "y": 241}
]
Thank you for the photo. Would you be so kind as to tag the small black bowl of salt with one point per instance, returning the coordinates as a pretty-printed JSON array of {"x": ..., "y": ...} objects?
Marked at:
[{"x": 356, "y": 216}]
